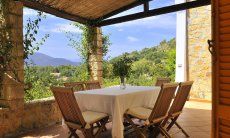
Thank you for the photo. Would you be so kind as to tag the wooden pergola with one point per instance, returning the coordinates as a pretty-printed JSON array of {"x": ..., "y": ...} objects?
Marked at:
[{"x": 97, "y": 13}]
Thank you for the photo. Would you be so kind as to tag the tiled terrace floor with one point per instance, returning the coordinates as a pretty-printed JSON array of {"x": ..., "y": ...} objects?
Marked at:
[{"x": 196, "y": 120}]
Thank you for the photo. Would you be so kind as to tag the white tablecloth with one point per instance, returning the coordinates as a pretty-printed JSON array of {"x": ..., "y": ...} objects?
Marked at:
[{"x": 115, "y": 102}]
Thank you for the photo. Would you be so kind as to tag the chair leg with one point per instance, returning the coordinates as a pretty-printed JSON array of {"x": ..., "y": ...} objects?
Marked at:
[
  {"x": 92, "y": 129},
  {"x": 104, "y": 122},
  {"x": 135, "y": 127},
  {"x": 185, "y": 133},
  {"x": 173, "y": 120},
  {"x": 88, "y": 133},
  {"x": 150, "y": 128},
  {"x": 73, "y": 133},
  {"x": 165, "y": 122},
  {"x": 164, "y": 132},
  {"x": 102, "y": 127},
  {"x": 98, "y": 124},
  {"x": 156, "y": 131}
]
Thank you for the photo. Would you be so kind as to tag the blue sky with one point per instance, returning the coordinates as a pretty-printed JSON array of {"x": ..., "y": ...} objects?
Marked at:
[{"x": 125, "y": 37}]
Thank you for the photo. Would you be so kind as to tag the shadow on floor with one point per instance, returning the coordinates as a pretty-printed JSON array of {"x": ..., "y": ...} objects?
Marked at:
[{"x": 197, "y": 123}]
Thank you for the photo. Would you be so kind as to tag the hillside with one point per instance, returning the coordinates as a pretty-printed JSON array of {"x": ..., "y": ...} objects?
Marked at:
[
  {"x": 149, "y": 63},
  {"x": 154, "y": 54},
  {"x": 40, "y": 59}
]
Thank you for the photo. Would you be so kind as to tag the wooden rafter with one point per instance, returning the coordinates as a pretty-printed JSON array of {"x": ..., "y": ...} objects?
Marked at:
[
  {"x": 122, "y": 9},
  {"x": 103, "y": 21},
  {"x": 146, "y": 6},
  {"x": 154, "y": 12},
  {"x": 41, "y": 7}
]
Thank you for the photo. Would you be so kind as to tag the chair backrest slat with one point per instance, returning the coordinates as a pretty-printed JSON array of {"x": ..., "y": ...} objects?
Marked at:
[
  {"x": 181, "y": 97},
  {"x": 161, "y": 81},
  {"x": 163, "y": 102},
  {"x": 68, "y": 105},
  {"x": 77, "y": 86},
  {"x": 90, "y": 85}
]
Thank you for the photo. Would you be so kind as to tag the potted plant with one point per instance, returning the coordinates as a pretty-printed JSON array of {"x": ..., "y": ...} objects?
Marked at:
[{"x": 122, "y": 68}]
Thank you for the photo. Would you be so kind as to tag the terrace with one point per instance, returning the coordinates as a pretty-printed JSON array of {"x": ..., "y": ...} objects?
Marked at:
[
  {"x": 196, "y": 120},
  {"x": 42, "y": 118}
]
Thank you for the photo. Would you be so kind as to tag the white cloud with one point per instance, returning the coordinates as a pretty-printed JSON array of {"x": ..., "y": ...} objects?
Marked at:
[
  {"x": 132, "y": 39},
  {"x": 128, "y": 12},
  {"x": 29, "y": 12},
  {"x": 60, "y": 28},
  {"x": 165, "y": 21},
  {"x": 120, "y": 30}
]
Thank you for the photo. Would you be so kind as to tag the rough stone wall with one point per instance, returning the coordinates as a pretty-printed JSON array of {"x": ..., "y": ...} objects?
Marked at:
[
  {"x": 12, "y": 95},
  {"x": 13, "y": 90},
  {"x": 199, "y": 58},
  {"x": 95, "y": 58},
  {"x": 40, "y": 113},
  {"x": 10, "y": 118},
  {"x": 36, "y": 114},
  {"x": 17, "y": 116}
]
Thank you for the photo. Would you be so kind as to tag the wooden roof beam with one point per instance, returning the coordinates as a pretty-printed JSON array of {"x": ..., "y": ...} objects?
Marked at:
[
  {"x": 146, "y": 6},
  {"x": 41, "y": 7},
  {"x": 122, "y": 9},
  {"x": 154, "y": 12}
]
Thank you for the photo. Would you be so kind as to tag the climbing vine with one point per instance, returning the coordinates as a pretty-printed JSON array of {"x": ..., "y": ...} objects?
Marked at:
[
  {"x": 8, "y": 60},
  {"x": 83, "y": 43},
  {"x": 31, "y": 44},
  {"x": 31, "y": 31}
]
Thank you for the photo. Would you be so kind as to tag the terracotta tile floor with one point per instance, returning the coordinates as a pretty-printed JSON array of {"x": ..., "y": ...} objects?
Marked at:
[{"x": 196, "y": 120}]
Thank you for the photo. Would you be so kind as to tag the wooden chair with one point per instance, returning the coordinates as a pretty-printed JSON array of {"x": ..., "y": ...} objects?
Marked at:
[
  {"x": 90, "y": 85},
  {"x": 161, "y": 81},
  {"x": 157, "y": 115},
  {"x": 74, "y": 118},
  {"x": 178, "y": 105},
  {"x": 77, "y": 86}
]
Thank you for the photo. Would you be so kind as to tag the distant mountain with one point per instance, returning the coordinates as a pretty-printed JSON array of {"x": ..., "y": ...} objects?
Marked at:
[{"x": 40, "y": 59}]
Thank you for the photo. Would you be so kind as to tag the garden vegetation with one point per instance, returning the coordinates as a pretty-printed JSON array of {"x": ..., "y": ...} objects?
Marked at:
[{"x": 148, "y": 64}]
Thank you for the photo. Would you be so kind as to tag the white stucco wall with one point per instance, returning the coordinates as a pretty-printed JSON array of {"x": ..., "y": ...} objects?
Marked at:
[{"x": 181, "y": 44}]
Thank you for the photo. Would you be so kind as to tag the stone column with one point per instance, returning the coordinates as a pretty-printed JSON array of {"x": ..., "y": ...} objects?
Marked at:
[
  {"x": 96, "y": 54},
  {"x": 12, "y": 95},
  {"x": 199, "y": 58}
]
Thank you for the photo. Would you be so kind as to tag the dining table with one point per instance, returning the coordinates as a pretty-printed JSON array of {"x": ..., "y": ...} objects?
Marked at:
[{"x": 115, "y": 101}]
